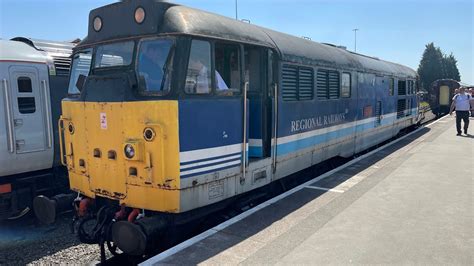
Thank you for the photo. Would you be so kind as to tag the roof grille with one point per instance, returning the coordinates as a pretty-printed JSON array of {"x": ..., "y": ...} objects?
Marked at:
[{"x": 62, "y": 65}]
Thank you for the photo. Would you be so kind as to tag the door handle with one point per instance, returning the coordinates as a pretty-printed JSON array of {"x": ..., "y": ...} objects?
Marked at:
[{"x": 18, "y": 122}]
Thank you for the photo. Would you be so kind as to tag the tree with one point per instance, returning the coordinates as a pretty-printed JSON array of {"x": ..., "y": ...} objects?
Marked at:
[
  {"x": 451, "y": 68},
  {"x": 431, "y": 66},
  {"x": 435, "y": 65}
]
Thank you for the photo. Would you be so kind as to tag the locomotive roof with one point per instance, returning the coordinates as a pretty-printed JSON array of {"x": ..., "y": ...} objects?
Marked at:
[
  {"x": 170, "y": 18},
  {"x": 19, "y": 51}
]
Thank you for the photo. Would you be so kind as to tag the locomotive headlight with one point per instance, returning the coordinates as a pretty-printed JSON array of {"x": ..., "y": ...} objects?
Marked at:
[
  {"x": 129, "y": 151},
  {"x": 97, "y": 23},
  {"x": 139, "y": 15}
]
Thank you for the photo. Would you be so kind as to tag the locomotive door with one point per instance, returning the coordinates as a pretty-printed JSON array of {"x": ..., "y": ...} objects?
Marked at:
[
  {"x": 28, "y": 117},
  {"x": 258, "y": 77}
]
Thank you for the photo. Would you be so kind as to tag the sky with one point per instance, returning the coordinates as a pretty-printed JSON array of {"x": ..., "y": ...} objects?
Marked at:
[{"x": 393, "y": 30}]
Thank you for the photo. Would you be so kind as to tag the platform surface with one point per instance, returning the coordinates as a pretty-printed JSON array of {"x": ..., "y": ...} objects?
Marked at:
[{"x": 410, "y": 203}]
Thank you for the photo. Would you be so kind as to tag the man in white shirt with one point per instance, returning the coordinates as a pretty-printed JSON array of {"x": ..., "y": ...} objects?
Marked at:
[
  {"x": 461, "y": 102},
  {"x": 203, "y": 78}
]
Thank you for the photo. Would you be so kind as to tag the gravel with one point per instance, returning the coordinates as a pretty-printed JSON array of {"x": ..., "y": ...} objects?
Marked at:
[{"x": 27, "y": 242}]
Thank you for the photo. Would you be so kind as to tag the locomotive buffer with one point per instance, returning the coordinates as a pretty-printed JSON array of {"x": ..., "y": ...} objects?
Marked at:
[{"x": 410, "y": 202}]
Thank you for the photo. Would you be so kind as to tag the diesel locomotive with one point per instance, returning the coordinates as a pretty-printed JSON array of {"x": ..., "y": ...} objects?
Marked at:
[
  {"x": 34, "y": 78},
  {"x": 178, "y": 111}
]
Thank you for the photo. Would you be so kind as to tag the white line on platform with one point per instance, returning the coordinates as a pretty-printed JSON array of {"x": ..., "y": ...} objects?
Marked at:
[
  {"x": 326, "y": 189},
  {"x": 169, "y": 252}
]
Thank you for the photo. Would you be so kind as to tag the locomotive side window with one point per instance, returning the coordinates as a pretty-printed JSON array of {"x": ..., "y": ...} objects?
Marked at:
[
  {"x": 346, "y": 85},
  {"x": 81, "y": 65},
  {"x": 154, "y": 66},
  {"x": 227, "y": 68},
  {"x": 391, "y": 86},
  {"x": 198, "y": 77},
  {"x": 24, "y": 85}
]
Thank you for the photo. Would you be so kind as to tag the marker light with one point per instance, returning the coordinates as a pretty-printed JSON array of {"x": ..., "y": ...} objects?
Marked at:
[
  {"x": 139, "y": 15},
  {"x": 97, "y": 23},
  {"x": 129, "y": 151}
]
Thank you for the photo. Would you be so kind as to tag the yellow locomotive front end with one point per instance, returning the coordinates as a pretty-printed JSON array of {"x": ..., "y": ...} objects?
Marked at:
[{"x": 124, "y": 151}]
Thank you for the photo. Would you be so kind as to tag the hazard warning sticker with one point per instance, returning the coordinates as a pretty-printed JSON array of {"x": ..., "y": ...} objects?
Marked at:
[{"x": 103, "y": 120}]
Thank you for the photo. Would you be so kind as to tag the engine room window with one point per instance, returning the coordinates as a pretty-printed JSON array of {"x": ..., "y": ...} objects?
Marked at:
[
  {"x": 115, "y": 54},
  {"x": 155, "y": 58},
  {"x": 227, "y": 69},
  {"x": 198, "y": 77},
  {"x": 24, "y": 85},
  {"x": 81, "y": 65},
  {"x": 346, "y": 85}
]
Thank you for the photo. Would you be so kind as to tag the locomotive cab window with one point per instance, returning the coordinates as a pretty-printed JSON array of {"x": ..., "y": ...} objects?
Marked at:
[
  {"x": 81, "y": 65},
  {"x": 198, "y": 77},
  {"x": 227, "y": 74},
  {"x": 155, "y": 59},
  {"x": 114, "y": 55}
]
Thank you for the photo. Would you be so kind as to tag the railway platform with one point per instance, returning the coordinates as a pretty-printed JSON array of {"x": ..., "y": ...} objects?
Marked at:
[{"x": 409, "y": 202}]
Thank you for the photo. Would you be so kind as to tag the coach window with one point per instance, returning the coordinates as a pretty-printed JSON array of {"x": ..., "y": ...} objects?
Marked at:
[
  {"x": 346, "y": 85},
  {"x": 227, "y": 69},
  {"x": 391, "y": 85},
  {"x": 26, "y": 105},
  {"x": 24, "y": 85},
  {"x": 155, "y": 58},
  {"x": 198, "y": 77}
]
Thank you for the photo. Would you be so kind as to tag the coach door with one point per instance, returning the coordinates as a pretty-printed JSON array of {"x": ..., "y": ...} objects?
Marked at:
[{"x": 28, "y": 110}]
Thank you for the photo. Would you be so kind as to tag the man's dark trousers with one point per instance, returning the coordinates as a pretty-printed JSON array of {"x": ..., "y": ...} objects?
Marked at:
[{"x": 464, "y": 115}]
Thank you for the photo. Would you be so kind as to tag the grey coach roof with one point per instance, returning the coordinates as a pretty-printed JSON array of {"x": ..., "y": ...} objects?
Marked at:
[
  {"x": 177, "y": 19},
  {"x": 19, "y": 51}
]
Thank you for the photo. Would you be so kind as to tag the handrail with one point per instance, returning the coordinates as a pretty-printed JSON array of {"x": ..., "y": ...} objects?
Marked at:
[
  {"x": 48, "y": 115},
  {"x": 11, "y": 145},
  {"x": 275, "y": 124},
  {"x": 244, "y": 143},
  {"x": 61, "y": 144}
]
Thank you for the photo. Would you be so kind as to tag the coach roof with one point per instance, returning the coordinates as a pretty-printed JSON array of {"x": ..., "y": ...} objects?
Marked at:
[
  {"x": 167, "y": 18},
  {"x": 19, "y": 51}
]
